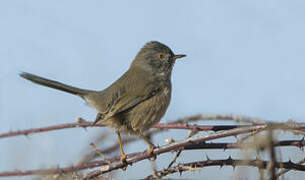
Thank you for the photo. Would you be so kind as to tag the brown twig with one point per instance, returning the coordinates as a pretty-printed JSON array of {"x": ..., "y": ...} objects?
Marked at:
[
  {"x": 49, "y": 128},
  {"x": 84, "y": 124},
  {"x": 89, "y": 124},
  {"x": 53, "y": 170},
  {"x": 284, "y": 126},
  {"x": 93, "y": 146}
]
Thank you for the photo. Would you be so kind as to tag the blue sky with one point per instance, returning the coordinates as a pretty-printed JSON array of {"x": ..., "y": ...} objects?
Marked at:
[{"x": 243, "y": 57}]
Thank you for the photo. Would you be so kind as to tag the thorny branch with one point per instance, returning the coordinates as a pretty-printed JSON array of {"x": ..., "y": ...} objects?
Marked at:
[
  {"x": 287, "y": 170},
  {"x": 84, "y": 124},
  {"x": 195, "y": 166},
  {"x": 176, "y": 146},
  {"x": 135, "y": 157},
  {"x": 251, "y": 128},
  {"x": 300, "y": 144}
]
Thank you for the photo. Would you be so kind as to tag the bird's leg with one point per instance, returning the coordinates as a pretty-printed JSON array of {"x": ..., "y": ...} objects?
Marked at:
[
  {"x": 123, "y": 155},
  {"x": 98, "y": 118},
  {"x": 151, "y": 145}
]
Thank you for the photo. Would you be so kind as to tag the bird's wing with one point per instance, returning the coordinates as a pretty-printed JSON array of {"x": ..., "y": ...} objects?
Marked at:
[
  {"x": 128, "y": 98},
  {"x": 134, "y": 87}
]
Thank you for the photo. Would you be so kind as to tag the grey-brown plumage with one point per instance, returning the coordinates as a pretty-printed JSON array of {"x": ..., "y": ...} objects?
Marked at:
[{"x": 138, "y": 99}]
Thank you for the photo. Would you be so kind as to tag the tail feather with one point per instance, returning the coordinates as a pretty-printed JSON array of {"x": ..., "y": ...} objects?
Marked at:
[{"x": 54, "y": 84}]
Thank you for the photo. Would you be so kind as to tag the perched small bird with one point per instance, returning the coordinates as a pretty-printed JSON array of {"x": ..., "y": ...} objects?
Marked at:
[{"x": 137, "y": 100}]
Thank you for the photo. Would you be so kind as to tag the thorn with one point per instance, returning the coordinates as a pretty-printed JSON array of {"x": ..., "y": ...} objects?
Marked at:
[
  {"x": 300, "y": 145},
  {"x": 179, "y": 169},
  {"x": 180, "y": 172},
  {"x": 26, "y": 135},
  {"x": 229, "y": 158},
  {"x": 207, "y": 157},
  {"x": 220, "y": 166},
  {"x": 80, "y": 120}
]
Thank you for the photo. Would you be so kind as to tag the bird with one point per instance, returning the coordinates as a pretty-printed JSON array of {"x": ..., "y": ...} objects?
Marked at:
[{"x": 137, "y": 100}]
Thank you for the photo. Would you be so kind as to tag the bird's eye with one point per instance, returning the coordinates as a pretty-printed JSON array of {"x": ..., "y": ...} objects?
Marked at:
[{"x": 161, "y": 56}]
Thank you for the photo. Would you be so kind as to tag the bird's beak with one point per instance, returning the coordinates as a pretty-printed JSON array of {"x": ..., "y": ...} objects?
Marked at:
[{"x": 179, "y": 56}]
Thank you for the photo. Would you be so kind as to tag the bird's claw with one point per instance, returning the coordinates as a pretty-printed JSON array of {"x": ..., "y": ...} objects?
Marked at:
[
  {"x": 150, "y": 152},
  {"x": 123, "y": 160}
]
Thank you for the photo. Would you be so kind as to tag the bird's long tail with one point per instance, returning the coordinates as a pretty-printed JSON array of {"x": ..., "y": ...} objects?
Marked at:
[{"x": 54, "y": 84}]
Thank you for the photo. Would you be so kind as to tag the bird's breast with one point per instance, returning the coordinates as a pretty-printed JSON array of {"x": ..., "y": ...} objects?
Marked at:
[{"x": 150, "y": 112}]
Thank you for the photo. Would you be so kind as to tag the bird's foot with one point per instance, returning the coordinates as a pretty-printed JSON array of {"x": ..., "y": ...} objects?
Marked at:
[
  {"x": 123, "y": 160},
  {"x": 150, "y": 152}
]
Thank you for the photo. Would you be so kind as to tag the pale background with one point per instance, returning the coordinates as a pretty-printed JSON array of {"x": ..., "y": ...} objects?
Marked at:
[{"x": 244, "y": 57}]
